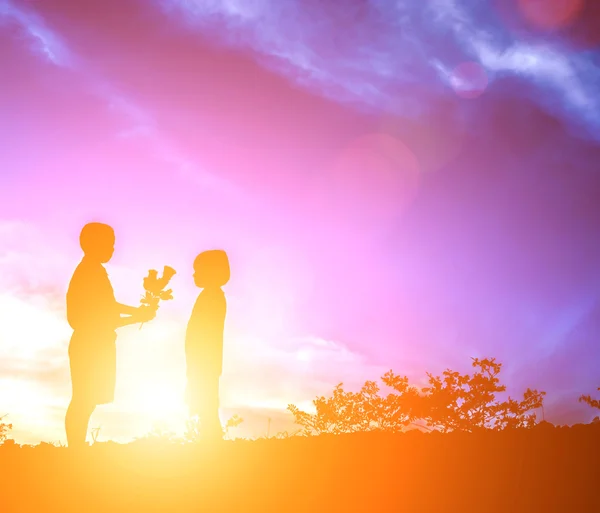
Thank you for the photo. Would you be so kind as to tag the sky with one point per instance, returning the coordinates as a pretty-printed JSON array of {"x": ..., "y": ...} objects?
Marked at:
[{"x": 399, "y": 185}]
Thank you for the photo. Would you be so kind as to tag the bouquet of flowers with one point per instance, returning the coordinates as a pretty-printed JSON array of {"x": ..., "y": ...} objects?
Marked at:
[{"x": 155, "y": 288}]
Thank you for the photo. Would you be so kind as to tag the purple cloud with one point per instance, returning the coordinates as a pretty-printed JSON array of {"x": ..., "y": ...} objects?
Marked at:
[{"x": 398, "y": 57}]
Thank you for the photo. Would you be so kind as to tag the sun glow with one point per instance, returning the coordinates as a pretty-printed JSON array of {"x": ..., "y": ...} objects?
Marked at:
[
  {"x": 27, "y": 328},
  {"x": 151, "y": 372},
  {"x": 23, "y": 397}
]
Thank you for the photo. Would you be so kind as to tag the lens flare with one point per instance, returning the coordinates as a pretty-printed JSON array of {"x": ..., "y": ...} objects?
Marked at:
[
  {"x": 373, "y": 179},
  {"x": 551, "y": 14},
  {"x": 469, "y": 80}
]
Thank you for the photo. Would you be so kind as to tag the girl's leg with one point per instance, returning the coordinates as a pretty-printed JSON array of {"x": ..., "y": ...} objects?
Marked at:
[{"x": 210, "y": 415}]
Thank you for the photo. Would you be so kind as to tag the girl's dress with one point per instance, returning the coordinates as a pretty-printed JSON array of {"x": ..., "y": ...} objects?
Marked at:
[{"x": 204, "y": 354}]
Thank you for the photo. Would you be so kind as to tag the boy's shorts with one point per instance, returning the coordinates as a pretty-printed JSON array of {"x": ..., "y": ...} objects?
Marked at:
[{"x": 93, "y": 363}]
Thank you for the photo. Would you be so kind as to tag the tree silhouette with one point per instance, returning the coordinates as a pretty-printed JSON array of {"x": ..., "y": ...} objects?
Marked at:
[
  {"x": 460, "y": 402},
  {"x": 594, "y": 403},
  {"x": 451, "y": 402},
  {"x": 366, "y": 410}
]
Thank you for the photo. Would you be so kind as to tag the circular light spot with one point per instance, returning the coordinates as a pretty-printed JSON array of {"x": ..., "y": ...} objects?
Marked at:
[
  {"x": 469, "y": 80},
  {"x": 373, "y": 179},
  {"x": 551, "y": 14},
  {"x": 436, "y": 138}
]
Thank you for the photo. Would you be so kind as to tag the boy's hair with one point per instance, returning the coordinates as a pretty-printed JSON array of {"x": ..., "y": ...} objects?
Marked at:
[
  {"x": 213, "y": 267},
  {"x": 94, "y": 236}
]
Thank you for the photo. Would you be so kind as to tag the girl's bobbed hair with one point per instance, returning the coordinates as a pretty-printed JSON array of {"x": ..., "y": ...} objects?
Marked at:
[{"x": 212, "y": 268}]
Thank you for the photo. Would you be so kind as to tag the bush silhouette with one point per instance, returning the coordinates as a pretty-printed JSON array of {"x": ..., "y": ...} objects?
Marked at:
[
  {"x": 594, "y": 403},
  {"x": 366, "y": 410},
  {"x": 192, "y": 433},
  {"x": 461, "y": 402},
  {"x": 4, "y": 429},
  {"x": 451, "y": 402}
]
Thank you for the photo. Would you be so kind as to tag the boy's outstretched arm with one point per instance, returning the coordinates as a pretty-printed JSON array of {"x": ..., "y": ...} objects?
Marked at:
[
  {"x": 140, "y": 314},
  {"x": 126, "y": 309}
]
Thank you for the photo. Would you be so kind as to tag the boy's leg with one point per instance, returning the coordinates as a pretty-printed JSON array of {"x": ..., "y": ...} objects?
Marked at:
[
  {"x": 76, "y": 422},
  {"x": 81, "y": 407}
]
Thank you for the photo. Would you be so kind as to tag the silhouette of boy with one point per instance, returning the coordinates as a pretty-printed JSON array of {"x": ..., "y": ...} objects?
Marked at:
[
  {"x": 204, "y": 341},
  {"x": 94, "y": 315}
]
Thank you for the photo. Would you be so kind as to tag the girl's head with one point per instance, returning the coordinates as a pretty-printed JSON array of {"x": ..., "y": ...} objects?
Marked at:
[
  {"x": 97, "y": 241},
  {"x": 211, "y": 269}
]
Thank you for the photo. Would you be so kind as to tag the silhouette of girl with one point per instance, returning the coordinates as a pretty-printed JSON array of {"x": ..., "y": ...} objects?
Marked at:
[
  {"x": 204, "y": 341},
  {"x": 94, "y": 315}
]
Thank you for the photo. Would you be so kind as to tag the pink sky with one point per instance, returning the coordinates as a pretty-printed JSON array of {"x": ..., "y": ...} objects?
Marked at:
[
  {"x": 336, "y": 223},
  {"x": 174, "y": 182}
]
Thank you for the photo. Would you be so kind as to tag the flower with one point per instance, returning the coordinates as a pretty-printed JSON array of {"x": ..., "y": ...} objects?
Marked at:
[
  {"x": 168, "y": 272},
  {"x": 155, "y": 287},
  {"x": 151, "y": 281},
  {"x": 165, "y": 295},
  {"x": 154, "y": 284},
  {"x": 161, "y": 283}
]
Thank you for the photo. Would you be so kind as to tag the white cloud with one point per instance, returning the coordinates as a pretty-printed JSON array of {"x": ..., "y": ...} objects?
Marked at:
[
  {"x": 44, "y": 41},
  {"x": 572, "y": 77},
  {"x": 139, "y": 122},
  {"x": 391, "y": 44}
]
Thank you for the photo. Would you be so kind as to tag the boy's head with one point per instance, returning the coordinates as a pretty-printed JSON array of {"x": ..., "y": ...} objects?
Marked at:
[
  {"x": 211, "y": 269},
  {"x": 97, "y": 241}
]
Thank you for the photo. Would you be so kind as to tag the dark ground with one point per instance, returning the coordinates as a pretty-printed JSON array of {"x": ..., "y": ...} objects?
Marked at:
[{"x": 543, "y": 469}]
